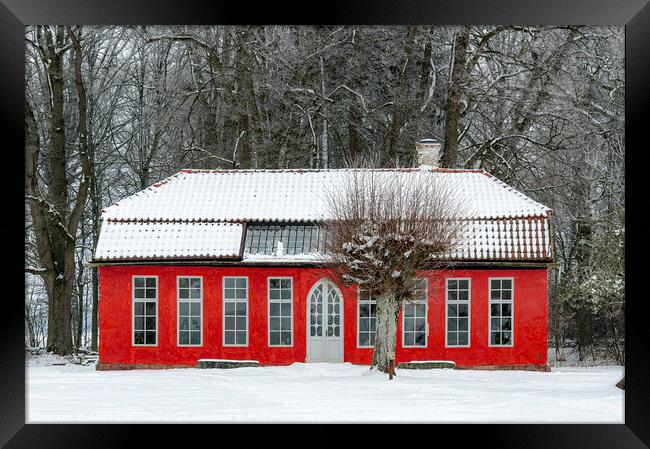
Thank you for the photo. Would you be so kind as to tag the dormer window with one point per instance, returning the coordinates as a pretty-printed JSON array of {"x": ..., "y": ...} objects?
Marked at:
[{"x": 284, "y": 239}]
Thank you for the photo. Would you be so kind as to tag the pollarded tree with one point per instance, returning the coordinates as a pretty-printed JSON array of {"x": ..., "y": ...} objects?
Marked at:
[{"x": 382, "y": 227}]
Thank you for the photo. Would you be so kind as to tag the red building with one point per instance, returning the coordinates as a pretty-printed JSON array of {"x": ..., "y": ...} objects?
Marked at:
[{"x": 227, "y": 264}]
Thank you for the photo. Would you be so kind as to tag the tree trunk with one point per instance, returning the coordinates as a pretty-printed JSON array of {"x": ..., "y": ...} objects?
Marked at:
[
  {"x": 29, "y": 321},
  {"x": 399, "y": 102},
  {"x": 353, "y": 138},
  {"x": 94, "y": 327},
  {"x": 143, "y": 125},
  {"x": 95, "y": 206},
  {"x": 582, "y": 318},
  {"x": 354, "y": 110},
  {"x": 209, "y": 135},
  {"x": 55, "y": 220},
  {"x": 249, "y": 118},
  {"x": 59, "y": 332},
  {"x": 80, "y": 310},
  {"x": 59, "y": 329},
  {"x": 80, "y": 292},
  {"x": 425, "y": 69},
  {"x": 452, "y": 110},
  {"x": 324, "y": 147},
  {"x": 386, "y": 332},
  {"x": 619, "y": 352}
]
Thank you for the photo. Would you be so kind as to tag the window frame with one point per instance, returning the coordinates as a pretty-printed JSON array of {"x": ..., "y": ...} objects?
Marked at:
[
  {"x": 268, "y": 311},
  {"x": 188, "y": 300},
  {"x": 262, "y": 238},
  {"x": 223, "y": 312},
  {"x": 133, "y": 301},
  {"x": 512, "y": 316},
  {"x": 469, "y": 312},
  {"x": 424, "y": 301},
  {"x": 369, "y": 302}
]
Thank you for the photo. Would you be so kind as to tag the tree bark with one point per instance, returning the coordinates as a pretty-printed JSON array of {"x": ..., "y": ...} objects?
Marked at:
[
  {"x": 324, "y": 147},
  {"x": 386, "y": 332},
  {"x": 208, "y": 119},
  {"x": 95, "y": 206},
  {"x": 80, "y": 303},
  {"x": 81, "y": 309},
  {"x": 249, "y": 117},
  {"x": 354, "y": 112},
  {"x": 425, "y": 70},
  {"x": 59, "y": 281},
  {"x": 94, "y": 332},
  {"x": 452, "y": 110},
  {"x": 399, "y": 102}
]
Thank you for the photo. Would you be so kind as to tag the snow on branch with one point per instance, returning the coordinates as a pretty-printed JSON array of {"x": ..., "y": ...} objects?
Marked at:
[
  {"x": 54, "y": 215},
  {"x": 35, "y": 270}
]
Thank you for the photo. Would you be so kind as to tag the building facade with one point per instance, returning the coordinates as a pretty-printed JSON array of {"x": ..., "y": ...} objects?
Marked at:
[{"x": 212, "y": 264}]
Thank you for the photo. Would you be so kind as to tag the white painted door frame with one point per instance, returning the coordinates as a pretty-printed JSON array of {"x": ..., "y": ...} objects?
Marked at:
[{"x": 324, "y": 348}]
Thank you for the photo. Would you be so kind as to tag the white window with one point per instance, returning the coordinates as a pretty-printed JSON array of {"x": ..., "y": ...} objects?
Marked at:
[
  {"x": 414, "y": 318},
  {"x": 235, "y": 311},
  {"x": 190, "y": 310},
  {"x": 145, "y": 310},
  {"x": 367, "y": 318},
  {"x": 458, "y": 293},
  {"x": 280, "y": 311},
  {"x": 501, "y": 312}
]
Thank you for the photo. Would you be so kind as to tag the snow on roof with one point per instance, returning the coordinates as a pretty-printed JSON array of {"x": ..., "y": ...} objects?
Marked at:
[
  {"x": 197, "y": 214},
  {"x": 157, "y": 240},
  {"x": 296, "y": 195},
  {"x": 504, "y": 239}
]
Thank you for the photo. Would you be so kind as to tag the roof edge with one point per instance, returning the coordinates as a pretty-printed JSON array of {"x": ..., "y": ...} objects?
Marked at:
[
  {"x": 244, "y": 221},
  {"x": 317, "y": 170},
  {"x": 505, "y": 264}
]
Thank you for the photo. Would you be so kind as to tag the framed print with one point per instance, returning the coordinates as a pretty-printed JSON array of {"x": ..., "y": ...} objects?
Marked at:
[{"x": 382, "y": 213}]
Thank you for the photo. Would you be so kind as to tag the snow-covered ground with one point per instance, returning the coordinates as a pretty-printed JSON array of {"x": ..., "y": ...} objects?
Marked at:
[
  {"x": 569, "y": 356},
  {"x": 321, "y": 393}
]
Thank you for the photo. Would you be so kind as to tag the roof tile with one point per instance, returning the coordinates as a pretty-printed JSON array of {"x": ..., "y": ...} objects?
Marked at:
[{"x": 198, "y": 213}]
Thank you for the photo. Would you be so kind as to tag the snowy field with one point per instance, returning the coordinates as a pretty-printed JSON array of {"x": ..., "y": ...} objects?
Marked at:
[{"x": 321, "y": 393}]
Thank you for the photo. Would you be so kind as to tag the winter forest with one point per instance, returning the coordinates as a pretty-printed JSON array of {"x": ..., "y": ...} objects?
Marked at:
[{"x": 111, "y": 110}]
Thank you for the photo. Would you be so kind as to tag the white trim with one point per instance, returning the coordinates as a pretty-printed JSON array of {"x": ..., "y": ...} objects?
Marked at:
[
  {"x": 369, "y": 302},
  {"x": 424, "y": 301},
  {"x": 223, "y": 311},
  {"x": 268, "y": 310},
  {"x": 307, "y": 312},
  {"x": 469, "y": 312},
  {"x": 188, "y": 300},
  {"x": 133, "y": 301},
  {"x": 512, "y": 316}
]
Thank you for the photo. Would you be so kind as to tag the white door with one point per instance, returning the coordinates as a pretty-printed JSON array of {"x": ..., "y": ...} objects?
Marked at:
[{"x": 324, "y": 324}]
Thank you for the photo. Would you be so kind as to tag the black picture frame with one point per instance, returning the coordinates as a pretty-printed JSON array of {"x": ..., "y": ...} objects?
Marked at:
[{"x": 634, "y": 15}]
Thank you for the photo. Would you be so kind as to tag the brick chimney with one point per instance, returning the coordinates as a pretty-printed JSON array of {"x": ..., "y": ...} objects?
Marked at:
[{"x": 428, "y": 151}]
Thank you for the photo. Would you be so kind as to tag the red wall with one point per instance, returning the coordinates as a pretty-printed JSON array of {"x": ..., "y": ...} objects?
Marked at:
[{"x": 115, "y": 318}]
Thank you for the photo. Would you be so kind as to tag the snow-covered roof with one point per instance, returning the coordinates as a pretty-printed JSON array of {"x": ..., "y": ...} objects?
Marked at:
[
  {"x": 296, "y": 195},
  {"x": 504, "y": 239},
  {"x": 160, "y": 240},
  {"x": 186, "y": 215}
]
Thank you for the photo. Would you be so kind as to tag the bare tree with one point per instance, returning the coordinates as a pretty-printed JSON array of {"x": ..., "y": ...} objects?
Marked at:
[
  {"x": 55, "y": 217},
  {"x": 382, "y": 227}
]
